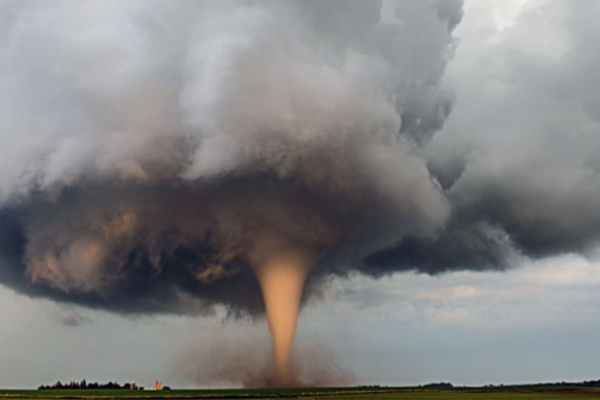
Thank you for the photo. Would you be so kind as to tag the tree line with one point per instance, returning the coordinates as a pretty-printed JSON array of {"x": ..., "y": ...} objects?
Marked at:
[{"x": 92, "y": 385}]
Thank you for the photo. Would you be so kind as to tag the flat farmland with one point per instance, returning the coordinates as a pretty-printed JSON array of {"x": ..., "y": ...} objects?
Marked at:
[{"x": 497, "y": 393}]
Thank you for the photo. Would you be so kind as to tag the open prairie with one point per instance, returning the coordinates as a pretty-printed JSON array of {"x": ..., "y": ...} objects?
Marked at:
[{"x": 495, "y": 393}]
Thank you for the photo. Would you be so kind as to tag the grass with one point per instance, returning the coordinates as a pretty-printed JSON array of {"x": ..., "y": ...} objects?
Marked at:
[{"x": 495, "y": 393}]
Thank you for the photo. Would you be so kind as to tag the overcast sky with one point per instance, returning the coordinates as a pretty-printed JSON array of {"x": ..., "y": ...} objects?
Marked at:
[
  {"x": 538, "y": 321},
  {"x": 535, "y": 323}
]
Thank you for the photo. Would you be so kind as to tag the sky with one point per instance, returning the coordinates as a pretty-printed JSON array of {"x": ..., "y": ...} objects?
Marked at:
[
  {"x": 535, "y": 323},
  {"x": 519, "y": 70}
]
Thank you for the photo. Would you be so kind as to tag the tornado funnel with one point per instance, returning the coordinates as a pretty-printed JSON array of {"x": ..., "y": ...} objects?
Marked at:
[{"x": 282, "y": 281}]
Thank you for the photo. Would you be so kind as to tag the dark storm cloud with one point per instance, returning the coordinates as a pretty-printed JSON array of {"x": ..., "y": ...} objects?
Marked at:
[
  {"x": 518, "y": 158},
  {"x": 153, "y": 153},
  {"x": 475, "y": 247},
  {"x": 120, "y": 121}
]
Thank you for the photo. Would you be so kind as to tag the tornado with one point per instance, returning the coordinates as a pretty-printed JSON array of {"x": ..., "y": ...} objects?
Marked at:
[
  {"x": 180, "y": 157},
  {"x": 282, "y": 280}
]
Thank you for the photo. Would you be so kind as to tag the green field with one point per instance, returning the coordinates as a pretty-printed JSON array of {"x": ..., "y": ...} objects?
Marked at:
[{"x": 496, "y": 393}]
